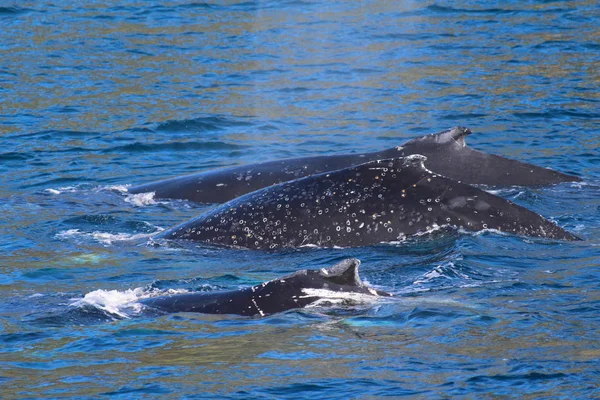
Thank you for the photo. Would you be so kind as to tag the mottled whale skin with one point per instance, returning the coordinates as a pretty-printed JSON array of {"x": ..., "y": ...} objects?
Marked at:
[
  {"x": 375, "y": 202},
  {"x": 447, "y": 154},
  {"x": 293, "y": 291}
]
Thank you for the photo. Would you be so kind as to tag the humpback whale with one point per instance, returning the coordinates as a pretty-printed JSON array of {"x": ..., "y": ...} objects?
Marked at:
[
  {"x": 375, "y": 202},
  {"x": 337, "y": 283},
  {"x": 447, "y": 154}
]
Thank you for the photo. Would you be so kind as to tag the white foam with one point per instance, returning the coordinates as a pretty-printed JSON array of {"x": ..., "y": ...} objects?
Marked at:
[
  {"x": 141, "y": 199},
  {"x": 326, "y": 297},
  {"x": 72, "y": 189},
  {"x": 116, "y": 188},
  {"x": 68, "y": 233},
  {"x": 109, "y": 238},
  {"x": 402, "y": 238},
  {"x": 113, "y": 301},
  {"x": 483, "y": 231},
  {"x": 104, "y": 237},
  {"x": 122, "y": 303},
  {"x": 580, "y": 185},
  {"x": 436, "y": 301},
  {"x": 433, "y": 228},
  {"x": 64, "y": 189}
]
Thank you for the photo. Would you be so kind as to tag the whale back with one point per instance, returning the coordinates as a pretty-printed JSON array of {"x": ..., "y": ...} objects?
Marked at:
[
  {"x": 447, "y": 153},
  {"x": 297, "y": 290},
  {"x": 379, "y": 201}
]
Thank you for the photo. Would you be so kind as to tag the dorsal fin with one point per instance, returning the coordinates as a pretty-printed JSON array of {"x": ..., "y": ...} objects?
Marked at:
[
  {"x": 343, "y": 273},
  {"x": 458, "y": 133}
]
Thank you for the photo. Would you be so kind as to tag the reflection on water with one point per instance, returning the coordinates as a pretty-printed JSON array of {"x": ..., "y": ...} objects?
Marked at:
[
  {"x": 381, "y": 65},
  {"x": 98, "y": 96}
]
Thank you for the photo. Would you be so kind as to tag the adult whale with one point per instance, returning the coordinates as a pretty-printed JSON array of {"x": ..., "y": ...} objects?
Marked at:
[
  {"x": 379, "y": 201},
  {"x": 446, "y": 152},
  {"x": 335, "y": 284}
]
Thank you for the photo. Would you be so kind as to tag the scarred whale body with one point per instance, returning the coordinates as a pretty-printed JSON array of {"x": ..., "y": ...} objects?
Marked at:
[
  {"x": 335, "y": 284},
  {"x": 375, "y": 202},
  {"x": 446, "y": 152}
]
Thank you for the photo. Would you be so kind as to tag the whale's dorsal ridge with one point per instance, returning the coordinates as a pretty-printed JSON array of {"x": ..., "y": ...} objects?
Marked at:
[{"x": 344, "y": 273}]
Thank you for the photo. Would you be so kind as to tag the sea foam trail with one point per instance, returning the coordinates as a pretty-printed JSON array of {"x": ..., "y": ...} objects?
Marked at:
[
  {"x": 113, "y": 302},
  {"x": 125, "y": 303},
  {"x": 104, "y": 237},
  {"x": 62, "y": 189}
]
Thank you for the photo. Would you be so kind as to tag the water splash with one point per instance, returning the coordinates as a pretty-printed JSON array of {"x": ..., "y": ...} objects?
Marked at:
[
  {"x": 115, "y": 302},
  {"x": 141, "y": 199}
]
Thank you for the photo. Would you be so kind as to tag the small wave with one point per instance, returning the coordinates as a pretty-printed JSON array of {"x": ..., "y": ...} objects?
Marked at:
[
  {"x": 84, "y": 187},
  {"x": 463, "y": 117},
  {"x": 444, "y": 271},
  {"x": 199, "y": 5},
  {"x": 12, "y": 10},
  {"x": 201, "y": 124},
  {"x": 484, "y": 231},
  {"x": 115, "y": 188},
  {"x": 54, "y": 134},
  {"x": 15, "y": 156},
  {"x": 453, "y": 10},
  {"x": 52, "y": 191},
  {"x": 63, "y": 189},
  {"x": 560, "y": 114},
  {"x": 139, "y": 147}
]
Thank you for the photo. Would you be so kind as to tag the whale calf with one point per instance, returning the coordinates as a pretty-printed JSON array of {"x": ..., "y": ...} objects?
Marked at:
[
  {"x": 379, "y": 201},
  {"x": 447, "y": 154},
  {"x": 338, "y": 283}
]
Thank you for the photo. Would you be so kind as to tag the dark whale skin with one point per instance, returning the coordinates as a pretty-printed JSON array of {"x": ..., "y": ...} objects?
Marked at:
[
  {"x": 447, "y": 154},
  {"x": 289, "y": 292},
  {"x": 375, "y": 202}
]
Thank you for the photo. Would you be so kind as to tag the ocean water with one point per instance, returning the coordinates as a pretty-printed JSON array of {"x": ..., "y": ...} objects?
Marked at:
[{"x": 98, "y": 96}]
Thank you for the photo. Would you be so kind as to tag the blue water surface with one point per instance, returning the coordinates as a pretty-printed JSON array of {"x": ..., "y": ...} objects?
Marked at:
[{"x": 95, "y": 96}]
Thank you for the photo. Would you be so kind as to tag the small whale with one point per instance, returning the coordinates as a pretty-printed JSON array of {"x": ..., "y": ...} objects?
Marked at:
[
  {"x": 376, "y": 202},
  {"x": 338, "y": 283},
  {"x": 447, "y": 154}
]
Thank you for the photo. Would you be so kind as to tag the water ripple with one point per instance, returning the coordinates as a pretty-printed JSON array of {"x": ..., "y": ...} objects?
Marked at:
[{"x": 96, "y": 97}]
